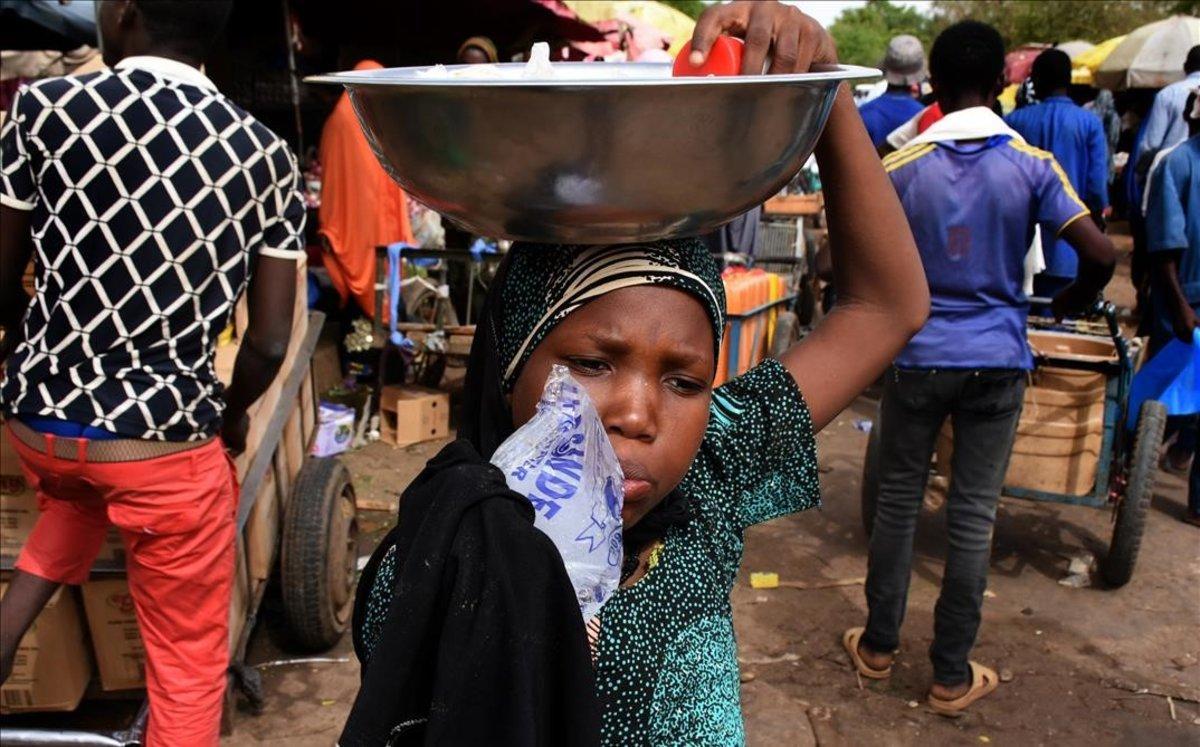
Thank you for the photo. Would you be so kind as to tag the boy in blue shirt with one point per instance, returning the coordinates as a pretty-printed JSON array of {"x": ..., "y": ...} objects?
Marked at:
[
  {"x": 1076, "y": 138},
  {"x": 973, "y": 192},
  {"x": 1173, "y": 241}
]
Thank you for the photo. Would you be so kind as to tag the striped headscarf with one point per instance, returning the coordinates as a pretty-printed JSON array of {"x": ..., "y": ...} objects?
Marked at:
[
  {"x": 546, "y": 284},
  {"x": 538, "y": 286}
]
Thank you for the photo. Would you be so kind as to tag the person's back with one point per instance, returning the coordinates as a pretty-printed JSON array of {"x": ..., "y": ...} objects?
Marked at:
[
  {"x": 1165, "y": 123},
  {"x": 1077, "y": 140},
  {"x": 886, "y": 112},
  {"x": 152, "y": 194},
  {"x": 973, "y": 192},
  {"x": 973, "y": 208},
  {"x": 148, "y": 203}
]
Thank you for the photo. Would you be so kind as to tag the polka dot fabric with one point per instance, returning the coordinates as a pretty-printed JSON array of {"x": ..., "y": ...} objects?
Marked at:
[{"x": 667, "y": 669}]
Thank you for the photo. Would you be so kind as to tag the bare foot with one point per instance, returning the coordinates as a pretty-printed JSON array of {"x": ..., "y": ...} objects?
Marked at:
[
  {"x": 949, "y": 692},
  {"x": 874, "y": 660}
]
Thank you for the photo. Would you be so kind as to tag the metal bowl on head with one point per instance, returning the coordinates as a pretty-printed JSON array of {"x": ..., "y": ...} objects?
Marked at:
[{"x": 598, "y": 154}]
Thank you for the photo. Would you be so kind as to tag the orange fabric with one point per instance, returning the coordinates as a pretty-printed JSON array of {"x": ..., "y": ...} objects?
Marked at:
[
  {"x": 176, "y": 516},
  {"x": 361, "y": 207}
]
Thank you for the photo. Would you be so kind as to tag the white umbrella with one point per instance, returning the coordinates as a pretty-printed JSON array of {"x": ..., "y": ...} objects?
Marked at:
[
  {"x": 1075, "y": 48},
  {"x": 1151, "y": 56}
]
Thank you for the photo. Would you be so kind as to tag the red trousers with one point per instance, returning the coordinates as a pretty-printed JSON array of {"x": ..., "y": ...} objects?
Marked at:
[{"x": 176, "y": 514}]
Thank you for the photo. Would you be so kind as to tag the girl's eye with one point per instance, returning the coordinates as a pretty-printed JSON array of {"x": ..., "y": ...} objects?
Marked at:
[
  {"x": 588, "y": 366},
  {"x": 685, "y": 386}
]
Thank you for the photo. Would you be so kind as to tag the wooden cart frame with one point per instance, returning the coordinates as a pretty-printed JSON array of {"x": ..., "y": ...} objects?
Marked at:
[{"x": 1127, "y": 464}]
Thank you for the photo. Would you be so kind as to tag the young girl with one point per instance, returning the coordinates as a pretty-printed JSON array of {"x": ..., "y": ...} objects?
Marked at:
[{"x": 639, "y": 326}]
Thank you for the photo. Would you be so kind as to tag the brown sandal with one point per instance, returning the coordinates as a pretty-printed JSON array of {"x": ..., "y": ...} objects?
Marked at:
[
  {"x": 983, "y": 682},
  {"x": 850, "y": 641}
]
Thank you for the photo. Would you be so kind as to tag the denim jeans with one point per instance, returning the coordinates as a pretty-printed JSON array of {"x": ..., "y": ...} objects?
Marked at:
[{"x": 984, "y": 407}]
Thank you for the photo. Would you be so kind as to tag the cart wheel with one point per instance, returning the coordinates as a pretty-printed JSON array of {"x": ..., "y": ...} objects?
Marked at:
[
  {"x": 870, "y": 476},
  {"x": 787, "y": 333},
  {"x": 1117, "y": 568},
  {"x": 318, "y": 561}
]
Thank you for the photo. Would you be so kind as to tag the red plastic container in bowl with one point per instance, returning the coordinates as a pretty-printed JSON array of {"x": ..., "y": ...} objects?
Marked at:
[{"x": 725, "y": 58}]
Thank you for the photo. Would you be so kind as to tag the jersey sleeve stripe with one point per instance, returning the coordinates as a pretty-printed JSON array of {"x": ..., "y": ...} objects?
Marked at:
[
  {"x": 1082, "y": 214},
  {"x": 908, "y": 158},
  {"x": 1043, "y": 155}
]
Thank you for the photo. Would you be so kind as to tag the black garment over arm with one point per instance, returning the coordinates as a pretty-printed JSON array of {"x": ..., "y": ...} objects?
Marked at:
[{"x": 482, "y": 642}]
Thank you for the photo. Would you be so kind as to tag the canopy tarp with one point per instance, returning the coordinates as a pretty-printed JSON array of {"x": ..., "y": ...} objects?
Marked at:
[
  {"x": 673, "y": 24},
  {"x": 1084, "y": 64},
  {"x": 1075, "y": 48},
  {"x": 1019, "y": 62},
  {"x": 1150, "y": 56}
]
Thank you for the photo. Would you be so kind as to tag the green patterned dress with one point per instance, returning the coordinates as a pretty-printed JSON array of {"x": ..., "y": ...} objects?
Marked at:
[
  {"x": 666, "y": 666},
  {"x": 666, "y": 658}
]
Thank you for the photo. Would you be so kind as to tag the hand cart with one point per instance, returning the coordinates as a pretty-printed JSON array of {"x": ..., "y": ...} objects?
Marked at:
[{"x": 1072, "y": 445}]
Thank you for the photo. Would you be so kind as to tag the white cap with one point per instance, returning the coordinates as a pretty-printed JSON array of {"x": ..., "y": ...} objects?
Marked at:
[{"x": 904, "y": 62}]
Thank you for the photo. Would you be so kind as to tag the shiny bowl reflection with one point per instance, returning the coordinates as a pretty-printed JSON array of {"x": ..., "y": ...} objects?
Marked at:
[{"x": 589, "y": 158}]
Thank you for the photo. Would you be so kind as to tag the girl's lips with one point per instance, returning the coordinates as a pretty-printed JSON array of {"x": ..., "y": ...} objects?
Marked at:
[{"x": 636, "y": 490}]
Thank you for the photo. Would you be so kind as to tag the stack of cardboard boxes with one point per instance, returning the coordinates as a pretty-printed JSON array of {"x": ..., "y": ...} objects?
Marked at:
[
  {"x": 55, "y": 662},
  {"x": 53, "y": 665}
]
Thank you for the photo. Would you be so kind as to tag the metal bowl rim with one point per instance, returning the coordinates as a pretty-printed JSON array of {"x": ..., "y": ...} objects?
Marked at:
[{"x": 408, "y": 77}]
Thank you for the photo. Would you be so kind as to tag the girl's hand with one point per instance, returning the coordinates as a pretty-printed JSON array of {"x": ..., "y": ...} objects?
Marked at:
[{"x": 795, "y": 42}]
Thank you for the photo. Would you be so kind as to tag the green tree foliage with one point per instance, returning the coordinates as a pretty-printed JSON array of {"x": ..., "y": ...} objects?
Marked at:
[
  {"x": 1054, "y": 21},
  {"x": 692, "y": 8},
  {"x": 862, "y": 34}
]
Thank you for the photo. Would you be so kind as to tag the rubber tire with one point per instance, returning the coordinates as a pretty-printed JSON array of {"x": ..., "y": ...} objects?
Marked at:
[
  {"x": 870, "y": 475},
  {"x": 319, "y": 557},
  {"x": 1118, "y": 565},
  {"x": 787, "y": 333}
]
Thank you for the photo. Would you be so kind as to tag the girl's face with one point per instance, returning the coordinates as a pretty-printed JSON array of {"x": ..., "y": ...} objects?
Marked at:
[{"x": 645, "y": 356}]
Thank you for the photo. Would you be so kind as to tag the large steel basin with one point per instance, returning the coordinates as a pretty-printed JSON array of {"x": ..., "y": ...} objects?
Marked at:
[{"x": 588, "y": 157}]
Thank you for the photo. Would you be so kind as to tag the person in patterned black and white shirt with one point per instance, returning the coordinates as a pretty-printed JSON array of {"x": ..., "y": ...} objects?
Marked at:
[{"x": 149, "y": 203}]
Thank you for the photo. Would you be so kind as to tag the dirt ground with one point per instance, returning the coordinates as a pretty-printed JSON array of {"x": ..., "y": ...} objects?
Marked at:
[{"x": 1088, "y": 666}]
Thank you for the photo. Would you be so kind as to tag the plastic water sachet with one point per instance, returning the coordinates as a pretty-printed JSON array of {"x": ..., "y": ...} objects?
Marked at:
[{"x": 564, "y": 463}]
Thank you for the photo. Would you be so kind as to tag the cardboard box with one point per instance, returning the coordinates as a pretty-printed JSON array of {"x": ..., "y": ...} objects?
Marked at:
[
  {"x": 10, "y": 463},
  {"x": 410, "y": 415},
  {"x": 120, "y": 654},
  {"x": 19, "y": 512},
  {"x": 52, "y": 667},
  {"x": 262, "y": 529}
]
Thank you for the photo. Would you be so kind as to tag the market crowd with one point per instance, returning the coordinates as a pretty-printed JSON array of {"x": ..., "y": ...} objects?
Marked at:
[{"x": 946, "y": 218}]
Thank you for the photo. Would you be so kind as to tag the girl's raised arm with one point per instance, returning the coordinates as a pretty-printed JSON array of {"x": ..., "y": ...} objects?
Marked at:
[{"x": 883, "y": 298}]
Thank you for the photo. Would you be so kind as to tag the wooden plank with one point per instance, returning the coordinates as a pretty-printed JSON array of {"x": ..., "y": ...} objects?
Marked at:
[
  {"x": 375, "y": 504},
  {"x": 462, "y": 329},
  {"x": 284, "y": 477},
  {"x": 257, "y": 469},
  {"x": 794, "y": 205},
  {"x": 308, "y": 411},
  {"x": 262, "y": 529},
  {"x": 292, "y": 448}
]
